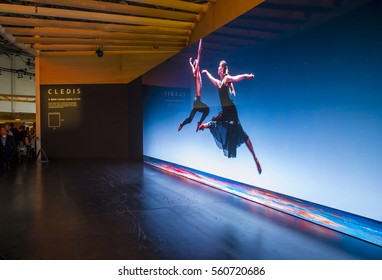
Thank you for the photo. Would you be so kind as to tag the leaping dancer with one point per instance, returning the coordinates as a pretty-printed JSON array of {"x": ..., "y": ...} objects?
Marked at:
[
  {"x": 198, "y": 105},
  {"x": 225, "y": 126}
]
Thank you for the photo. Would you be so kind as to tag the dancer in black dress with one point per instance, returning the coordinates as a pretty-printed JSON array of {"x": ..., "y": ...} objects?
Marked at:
[
  {"x": 198, "y": 105},
  {"x": 225, "y": 126}
]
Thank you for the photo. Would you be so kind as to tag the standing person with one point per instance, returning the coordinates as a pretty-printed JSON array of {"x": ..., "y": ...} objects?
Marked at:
[
  {"x": 225, "y": 126},
  {"x": 33, "y": 138},
  {"x": 7, "y": 147},
  {"x": 8, "y": 128},
  {"x": 198, "y": 105},
  {"x": 14, "y": 131}
]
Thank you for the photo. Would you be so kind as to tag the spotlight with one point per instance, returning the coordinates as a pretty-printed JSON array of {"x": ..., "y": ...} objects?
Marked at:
[{"x": 99, "y": 52}]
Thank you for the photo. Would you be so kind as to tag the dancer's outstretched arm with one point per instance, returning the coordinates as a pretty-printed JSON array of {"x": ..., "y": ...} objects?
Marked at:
[
  {"x": 192, "y": 65},
  {"x": 237, "y": 78},
  {"x": 213, "y": 80}
]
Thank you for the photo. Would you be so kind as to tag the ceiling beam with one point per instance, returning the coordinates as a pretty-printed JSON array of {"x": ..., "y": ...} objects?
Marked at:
[
  {"x": 13, "y": 41},
  {"x": 102, "y": 17},
  {"x": 175, "y": 4},
  {"x": 121, "y": 9},
  {"x": 130, "y": 49},
  {"x": 97, "y": 42},
  {"x": 219, "y": 14},
  {"x": 142, "y": 54},
  {"x": 75, "y": 33},
  {"x": 17, "y": 98},
  {"x": 36, "y": 22}
]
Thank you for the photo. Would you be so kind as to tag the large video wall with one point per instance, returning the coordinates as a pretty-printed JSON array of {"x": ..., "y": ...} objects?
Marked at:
[{"x": 312, "y": 114}]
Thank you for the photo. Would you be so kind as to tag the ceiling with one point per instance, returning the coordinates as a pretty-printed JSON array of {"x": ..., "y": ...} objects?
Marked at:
[
  {"x": 155, "y": 28},
  {"x": 42, "y": 27}
]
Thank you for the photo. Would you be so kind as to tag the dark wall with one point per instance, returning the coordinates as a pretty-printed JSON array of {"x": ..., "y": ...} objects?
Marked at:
[
  {"x": 135, "y": 122},
  {"x": 92, "y": 121}
]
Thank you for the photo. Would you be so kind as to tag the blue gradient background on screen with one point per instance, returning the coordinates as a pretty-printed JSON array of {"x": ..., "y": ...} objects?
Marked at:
[{"x": 313, "y": 113}]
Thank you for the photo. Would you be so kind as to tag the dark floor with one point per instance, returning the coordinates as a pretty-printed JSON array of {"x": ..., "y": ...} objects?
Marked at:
[{"x": 113, "y": 209}]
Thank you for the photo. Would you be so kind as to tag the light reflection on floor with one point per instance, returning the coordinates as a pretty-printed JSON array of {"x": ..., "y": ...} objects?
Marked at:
[
  {"x": 353, "y": 225},
  {"x": 115, "y": 209}
]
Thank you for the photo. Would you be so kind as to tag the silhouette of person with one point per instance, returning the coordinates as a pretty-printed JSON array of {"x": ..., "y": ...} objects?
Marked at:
[
  {"x": 7, "y": 147},
  {"x": 198, "y": 105},
  {"x": 225, "y": 126}
]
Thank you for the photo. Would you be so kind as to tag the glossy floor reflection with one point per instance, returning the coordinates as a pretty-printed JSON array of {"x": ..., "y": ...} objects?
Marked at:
[{"x": 113, "y": 209}]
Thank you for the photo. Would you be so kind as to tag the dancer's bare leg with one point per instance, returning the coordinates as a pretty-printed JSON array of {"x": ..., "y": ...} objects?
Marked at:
[
  {"x": 249, "y": 145},
  {"x": 188, "y": 120}
]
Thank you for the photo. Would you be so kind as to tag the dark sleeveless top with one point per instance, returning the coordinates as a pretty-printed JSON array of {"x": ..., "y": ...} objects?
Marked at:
[{"x": 229, "y": 109}]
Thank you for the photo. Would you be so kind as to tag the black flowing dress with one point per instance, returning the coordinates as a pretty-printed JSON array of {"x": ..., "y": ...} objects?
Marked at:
[{"x": 225, "y": 127}]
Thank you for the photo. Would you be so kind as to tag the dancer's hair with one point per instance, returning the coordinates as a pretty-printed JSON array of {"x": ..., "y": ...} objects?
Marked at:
[{"x": 230, "y": 85}]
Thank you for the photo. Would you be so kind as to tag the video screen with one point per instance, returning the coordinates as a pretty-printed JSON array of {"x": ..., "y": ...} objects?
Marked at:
[{"x": 300, "y": 116}]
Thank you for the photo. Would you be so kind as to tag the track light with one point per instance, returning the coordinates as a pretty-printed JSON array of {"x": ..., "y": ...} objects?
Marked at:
[{"x": 99, "y": 52}]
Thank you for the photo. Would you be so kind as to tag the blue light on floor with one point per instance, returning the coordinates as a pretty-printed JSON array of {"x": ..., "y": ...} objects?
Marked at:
[{"x": 344, "y": 222}]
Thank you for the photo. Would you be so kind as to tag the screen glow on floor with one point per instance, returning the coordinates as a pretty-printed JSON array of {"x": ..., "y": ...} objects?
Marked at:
[{"x": 344, "y": 222}]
